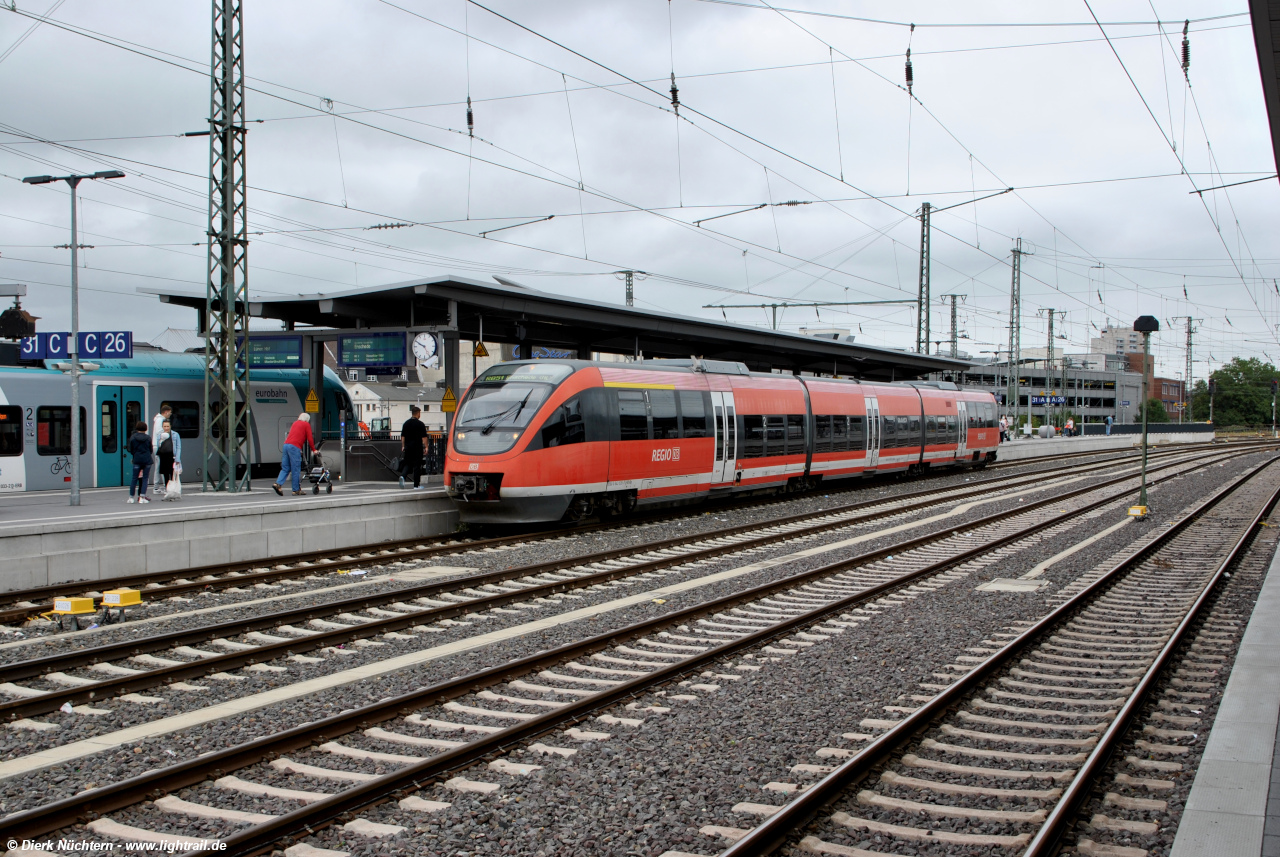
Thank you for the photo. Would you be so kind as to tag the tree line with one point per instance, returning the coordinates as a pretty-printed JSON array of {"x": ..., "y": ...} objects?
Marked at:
[{"x": 1242, "y": 394}]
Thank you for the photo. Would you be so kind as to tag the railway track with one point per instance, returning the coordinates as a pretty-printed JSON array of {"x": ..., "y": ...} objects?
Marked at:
[
  {"x": 434, "y": 737},
  {"x": 1005, "y": 756},
  {"x": 30, "y": 603},
  {"x": 132, "y": 666}
]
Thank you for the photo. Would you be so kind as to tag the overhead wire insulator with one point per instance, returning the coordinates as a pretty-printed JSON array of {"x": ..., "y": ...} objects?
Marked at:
[
  {"x": 471, "y": 119},
  {"x": 911, "y": 78},
  {"x": 675, "y": 94},
  {"x": 1186, "y": 49}
]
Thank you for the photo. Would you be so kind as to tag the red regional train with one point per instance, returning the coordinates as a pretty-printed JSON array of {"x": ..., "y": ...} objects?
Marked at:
[{"x": 544, "y": 440}]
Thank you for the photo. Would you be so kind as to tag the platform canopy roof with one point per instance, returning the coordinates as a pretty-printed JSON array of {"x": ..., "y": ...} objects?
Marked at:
[
  {"x": 1265, "y": 16},
  {"x": 513, "y": 313}
]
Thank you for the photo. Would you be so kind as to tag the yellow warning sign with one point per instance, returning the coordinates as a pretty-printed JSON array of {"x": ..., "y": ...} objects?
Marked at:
[
  {"x": 313, "y": 403},
  {"x": 480, "y": 350},
  {"x": 449, "y": 403}
]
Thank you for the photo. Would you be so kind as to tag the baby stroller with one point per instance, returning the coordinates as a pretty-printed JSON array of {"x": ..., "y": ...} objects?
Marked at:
[{"x": 318, "y": 474}]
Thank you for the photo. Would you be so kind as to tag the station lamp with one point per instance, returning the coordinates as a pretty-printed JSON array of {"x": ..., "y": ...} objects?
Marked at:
[{"x": 73, "y": 345}]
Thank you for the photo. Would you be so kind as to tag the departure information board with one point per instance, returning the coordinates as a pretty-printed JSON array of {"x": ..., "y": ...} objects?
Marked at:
[
  {"x": 275, "y": 352},
  {"x": 372, "y": 350}
]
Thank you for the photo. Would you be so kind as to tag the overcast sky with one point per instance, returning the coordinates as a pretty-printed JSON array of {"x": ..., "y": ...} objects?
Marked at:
[{"x": 360, "y": 119}]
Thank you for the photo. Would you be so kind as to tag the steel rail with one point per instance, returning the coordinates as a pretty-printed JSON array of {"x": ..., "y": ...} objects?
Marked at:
[
  {"x": 53, "y": 700},
  {"x": 774, "y": 831},
  {"x": 381, "y": 552},
  {"x": 93, "y": 803}
]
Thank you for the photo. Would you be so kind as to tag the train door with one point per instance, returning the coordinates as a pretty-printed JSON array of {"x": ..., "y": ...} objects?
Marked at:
[
  {"x": 873, "y": 432},
  {"x": 962, "y": 415},
  {"x": 726, "y": 438},
  {"x": 117, "y": 410}
]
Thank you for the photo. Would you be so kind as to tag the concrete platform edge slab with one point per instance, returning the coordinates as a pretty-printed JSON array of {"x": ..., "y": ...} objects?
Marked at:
[{"x": 1217, "y": 813}]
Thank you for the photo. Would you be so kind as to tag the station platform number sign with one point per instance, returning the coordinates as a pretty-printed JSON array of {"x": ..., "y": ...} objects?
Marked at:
[
  {"x": 117, "y": 344},
  {"x": 1048, "y": 400}
]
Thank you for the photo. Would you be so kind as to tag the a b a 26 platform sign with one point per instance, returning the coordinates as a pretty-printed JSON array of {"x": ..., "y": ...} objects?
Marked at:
[{"x": 93, "y": 344}]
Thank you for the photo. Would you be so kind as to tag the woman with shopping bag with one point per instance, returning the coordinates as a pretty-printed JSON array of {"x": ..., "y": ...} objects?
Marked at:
[{"x": 170, "y": 452}]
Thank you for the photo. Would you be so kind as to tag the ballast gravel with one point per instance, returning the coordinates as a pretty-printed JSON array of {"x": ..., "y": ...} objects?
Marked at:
[
  {"x": 119, "y": 714},
  {"x": 679, "y": 770}
]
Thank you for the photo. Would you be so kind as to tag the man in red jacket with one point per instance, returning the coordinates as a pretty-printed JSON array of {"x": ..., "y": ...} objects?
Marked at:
[{"x": 299, "y": 438}]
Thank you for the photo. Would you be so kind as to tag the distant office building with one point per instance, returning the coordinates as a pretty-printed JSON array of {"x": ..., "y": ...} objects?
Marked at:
[
  {"x": 1117, "y": 340},
  {"x": 1091, "y": 394},
  {"x": 1171, "y": 392}
]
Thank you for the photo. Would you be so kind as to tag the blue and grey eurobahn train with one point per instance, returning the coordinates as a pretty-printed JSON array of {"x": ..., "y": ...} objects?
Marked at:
[{"x": 35, "y": 417}]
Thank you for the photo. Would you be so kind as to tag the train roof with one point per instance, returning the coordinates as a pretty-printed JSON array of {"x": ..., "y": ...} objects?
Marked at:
[
  {"x": 147, "y": 363},
  {"x": 719, "y": 367}
]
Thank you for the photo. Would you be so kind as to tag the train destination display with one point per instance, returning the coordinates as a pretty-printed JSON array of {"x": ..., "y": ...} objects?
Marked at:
[
  {"x": 372, "y": 350},
  {"x": 275, "y": 352}
]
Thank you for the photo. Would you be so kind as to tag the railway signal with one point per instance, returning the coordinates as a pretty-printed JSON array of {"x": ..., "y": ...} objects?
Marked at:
[{"x": 1146, "y": 325}]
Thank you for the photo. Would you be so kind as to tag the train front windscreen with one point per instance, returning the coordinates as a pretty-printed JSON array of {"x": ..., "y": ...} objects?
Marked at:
[{"x": 499, "y": 406}]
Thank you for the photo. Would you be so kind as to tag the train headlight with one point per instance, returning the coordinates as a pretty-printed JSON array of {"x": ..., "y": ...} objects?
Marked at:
[{"x": 462, "y": 435}]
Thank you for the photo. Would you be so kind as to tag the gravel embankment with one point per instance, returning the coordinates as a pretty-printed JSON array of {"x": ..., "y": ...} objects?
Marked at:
[
  {"x": 121, "y": 714},
  {"x": 687, "y": 768}
]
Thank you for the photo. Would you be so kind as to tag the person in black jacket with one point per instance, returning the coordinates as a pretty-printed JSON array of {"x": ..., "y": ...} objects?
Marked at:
[
  {"x": 140, "y": 449},
  {"x": 413, "y": 435}
]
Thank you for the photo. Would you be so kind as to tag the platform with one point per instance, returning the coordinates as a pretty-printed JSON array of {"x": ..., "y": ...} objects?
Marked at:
[
  {"x": 44, "y": 541},
  {"x": 1234, "y": 806},
  {"x": 1036, "y": 447}
]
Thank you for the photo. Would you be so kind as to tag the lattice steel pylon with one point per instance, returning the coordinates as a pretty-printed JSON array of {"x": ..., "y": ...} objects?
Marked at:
[
  {"x": 227, "y": 403},
  {"x": 922, "y": 291},
  {"x": 1015, "y": 336}
]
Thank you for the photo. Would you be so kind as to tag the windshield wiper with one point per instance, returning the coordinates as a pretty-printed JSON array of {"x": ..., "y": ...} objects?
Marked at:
[{"x": 518, "y": 407}]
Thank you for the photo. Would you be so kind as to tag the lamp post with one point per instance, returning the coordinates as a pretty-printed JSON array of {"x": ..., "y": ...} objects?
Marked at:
[
  {"x": 73, "y": 347},
  {"x": 1146, "y": 325}
]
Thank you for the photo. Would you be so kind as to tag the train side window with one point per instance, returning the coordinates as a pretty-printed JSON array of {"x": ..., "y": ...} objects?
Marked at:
[
  {"x": 216, "y": 413},
  {"x": 185, "y": 419},
  {"x": 109, "y": 427},
  {"x": 888, "y": 432},
  {"x": 795, "y": 434},
  {"x": 731, "y": 444},
  {"x": 662, "y": 407},
  {"x": 565, "y": 425},
  {"x": 693, "y": 414},
  {"x": 53, "y": 431},
  {"x": 822, "y": 433},
  {"x": 931, "y": 429},
  {"x": 953, "y": 423},
  {"x": 752, "y": 436},
  {"x": 991, "y": 414},
  {"x": 857, "y": 440},
  {"x": 913, "y": 431},
  {"x": 775, "y": 435},
  {"x": 839, "y": 433},
  {"x": 633, "y": 416},
  {"x": 719, "y": 440},
  {"x": 133, "y": 416},
  {"x": 10, "y": 431}
]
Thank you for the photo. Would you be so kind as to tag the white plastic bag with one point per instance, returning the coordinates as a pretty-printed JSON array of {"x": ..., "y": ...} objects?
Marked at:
[{"x": 173, "y": 491}]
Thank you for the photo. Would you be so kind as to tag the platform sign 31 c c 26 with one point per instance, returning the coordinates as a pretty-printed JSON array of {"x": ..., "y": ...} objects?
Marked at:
[{"x": 101, "y": 345}]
